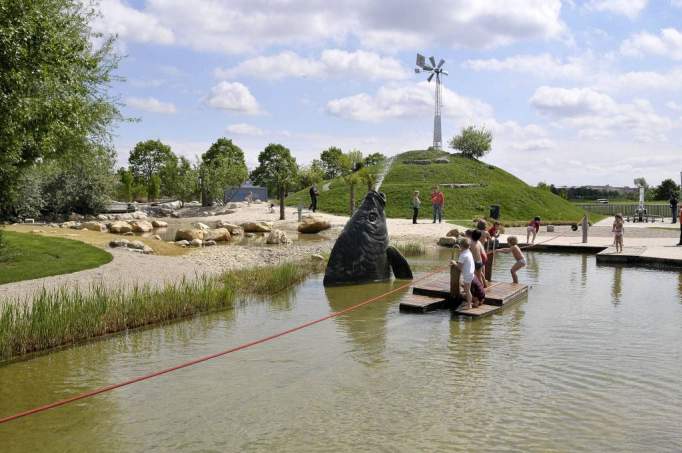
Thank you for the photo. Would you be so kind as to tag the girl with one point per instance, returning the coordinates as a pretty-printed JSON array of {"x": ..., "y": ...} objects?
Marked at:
[
  {"x": 533, "y": 228},
  {"x": 518, "y": 255},
  {"x": 617, "y": 230},
  {"x": 416, "y": 204}
]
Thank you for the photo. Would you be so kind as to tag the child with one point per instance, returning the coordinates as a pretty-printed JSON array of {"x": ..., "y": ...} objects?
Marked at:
[
  {"x": 517, "y": 253},
  {"x": 618, "y": 232},
  {"x": 465, "y": 264},
  {"x": 494, "y": 232},
  {"x": 416, "y": 204},
  {"x": 533, "y": 228},
  {"x": 479, "y": 255},
  {"x": 271, "y": 208}
]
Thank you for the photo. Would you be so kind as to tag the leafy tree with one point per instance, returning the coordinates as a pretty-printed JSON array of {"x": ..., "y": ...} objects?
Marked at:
[
  {"x": 221, "y": 166},
  {"x": 147, "y": 159},
  {"x": 168, "y": 177},
  {"x": 312, "y": 174},
  {"x": 472, "y": 142},
  {"x": 53, "y": 86},
  {"x": 640, "y": 182},
  {"x": 374, "y": 159},
  {"x": 187, "y": 182},
  {"x": 154, "y": 187},
  {"x": 354, "y": 160},
  {"x": 332, "y": 162},
  {"x": 276, "y": 168},
  {"x": 666, "y": 190},
  {"x": 368, "y": 177},
  {"x": 126, "y": 179}
]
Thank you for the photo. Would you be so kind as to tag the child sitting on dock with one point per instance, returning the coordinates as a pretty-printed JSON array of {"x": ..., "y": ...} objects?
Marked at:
[
  {"x": 465, "y": 264},
  {"x": 517, "y": 253},
  {"x": 618, "y": 232},
  {"x": 533, "y": 228}
]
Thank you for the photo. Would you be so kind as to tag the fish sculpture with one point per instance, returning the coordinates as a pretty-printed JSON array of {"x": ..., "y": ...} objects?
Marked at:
[{"x": 361, "y": 254}]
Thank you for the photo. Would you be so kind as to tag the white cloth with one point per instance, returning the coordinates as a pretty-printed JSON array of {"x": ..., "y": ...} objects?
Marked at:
[{"x": 466, "y": 259}]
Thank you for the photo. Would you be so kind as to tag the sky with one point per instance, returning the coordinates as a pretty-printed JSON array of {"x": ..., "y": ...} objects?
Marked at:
[{"x": 575, "y": 92}]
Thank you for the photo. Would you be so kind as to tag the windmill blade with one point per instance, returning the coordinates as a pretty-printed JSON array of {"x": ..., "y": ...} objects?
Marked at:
[
  {"x": 433, "y": 61},
  {"x": 417, "y": 70},
  {"x": 440, "y": 63},
  {"x": 421, "y": 60},
  {"x": 431, "y": 77},
  {"x": 427, "y": 68}
]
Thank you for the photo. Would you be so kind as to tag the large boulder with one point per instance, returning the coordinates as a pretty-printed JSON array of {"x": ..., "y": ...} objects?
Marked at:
[
  {"x": 217, "y": 234},
  {"x": 257, "y": 227},
  {"x": 234, "y": 230},
  {"x": 313, "y": 224},
  {"x": 119, "y": 243},
  {"x": 69, "y": 224},
  {"x": 196, "y": 243},
  {"x": 102, "y": 217},
  {"x": 182, "y": 243},
  {"x": 94, "y": 226},
  {"x": 120, "y": 227},
  {"x": 159, "y": 224},
  {"x": 189, "y": 234},
  {"x": 201, "y": 226},
  {"x": 277, "y": 237},
  {"x": 447, "y": 241},
  {"x": 139, "y": 215},
  {"x": 141, "y": 226},
  {"x": 125, "y": 216},
  {"x": 454, "y": 233}
]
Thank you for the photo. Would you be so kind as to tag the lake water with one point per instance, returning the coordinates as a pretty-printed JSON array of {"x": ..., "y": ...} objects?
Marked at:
[{"x": 591, "y": 360}]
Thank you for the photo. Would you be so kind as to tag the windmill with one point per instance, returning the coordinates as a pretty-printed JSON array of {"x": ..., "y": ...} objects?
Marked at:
[{"x": 437, "y": 71}]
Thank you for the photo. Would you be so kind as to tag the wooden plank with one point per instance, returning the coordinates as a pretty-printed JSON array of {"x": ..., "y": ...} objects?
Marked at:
[
  {"x": 500, "y": 293},
  {"x": 421, "y": 304},
  {"x": 436, "y": 286},
  {"x": 480, "y": 311}
]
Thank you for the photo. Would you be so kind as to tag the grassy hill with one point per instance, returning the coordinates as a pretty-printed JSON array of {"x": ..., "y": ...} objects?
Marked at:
[{"x": 518, "y": 200}]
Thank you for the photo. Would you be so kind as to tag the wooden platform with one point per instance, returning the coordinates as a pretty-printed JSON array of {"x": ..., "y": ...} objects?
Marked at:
[
  {"x": 609, "y": 255},
  {"x": 421, "y": 304}
]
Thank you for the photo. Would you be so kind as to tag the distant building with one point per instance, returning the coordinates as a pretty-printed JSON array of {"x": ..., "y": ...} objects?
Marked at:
[{"x": 234, "y": 194}]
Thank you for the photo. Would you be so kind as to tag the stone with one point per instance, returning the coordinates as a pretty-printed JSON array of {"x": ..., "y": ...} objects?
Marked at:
[
  {"x": 550, "y": 228},
  {"x": 126, "y": 216},
  {"x": 217, "y": 234},
  {"x": 234, "y": 230},
  {"x": 175, "y": 214},
  {"x": 313, "y": 224},
  {"x": 317, "y": 257},
  {"x": 136, "y": 245},
  {"x": 441, "y": 160},
  {"x": 277, "y": 237},
  {"x": 182, "y": 243},
  {"x": 257, "y": 227},
  {"x": 147, "y": 250},
  {"x": 159, "y": 224},
  {"x": 447, "y": 241},
  {"x": 75, "y": 217},
  {"x": 139, "y": 215},
  {"x": 102, "y": 217},
  {"x": 69, "y": 224},
  {"x": 196, "y": 242},
  {"x": 205, "y": 214},
  {"x": 172, "y": 205},
  {"x": 209, "y": 243},
  {"x": 257, "y": 201},
  {"x": 156, "y": 237},
  {"x": 453, "y": 233},
  {"x": 53, "y": 225},
  {"x": 119, "y": 243},
  {"x": 234, "y": 205},
  {"x": 120, "y": 227},
  {"x": 141, "y": 226},
  {"x": 200, "y": 225},
  {"x": 188, "y": 234},
  {"x": 128, "y": 233},
  {"x": 76, "y": 226},
  {"x": 95, "y": 226},
  {"x": 250, "y": 235}
]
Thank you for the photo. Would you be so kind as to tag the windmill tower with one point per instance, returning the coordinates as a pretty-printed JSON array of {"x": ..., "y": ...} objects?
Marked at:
[{"x": 437, "y": 71}]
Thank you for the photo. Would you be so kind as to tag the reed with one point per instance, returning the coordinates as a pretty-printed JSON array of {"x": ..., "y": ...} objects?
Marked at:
[
  {"x": 411, "y": 248},
  {"x": 66, "y": 316}
]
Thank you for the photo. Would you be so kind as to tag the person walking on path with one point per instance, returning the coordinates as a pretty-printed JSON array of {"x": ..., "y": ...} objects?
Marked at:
[
  {"x": 673, "y": 207},
  {"x": 437, "y": 202},
  {"x": 313, "y": 198},
  {"x": 416, "y": 204}
]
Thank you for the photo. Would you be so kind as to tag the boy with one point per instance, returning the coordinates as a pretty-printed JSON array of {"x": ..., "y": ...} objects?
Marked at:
[
  {"x": 479, "y": 256},
  {"x": 465, "y": 264},
  {"x": 517, "y": 253}
]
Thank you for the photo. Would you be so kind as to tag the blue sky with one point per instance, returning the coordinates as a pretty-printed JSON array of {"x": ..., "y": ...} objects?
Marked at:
[{"x": 575, "y": 92}]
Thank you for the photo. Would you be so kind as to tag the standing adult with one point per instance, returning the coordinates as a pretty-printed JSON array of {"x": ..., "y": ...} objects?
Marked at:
[
  {"x": 673, "y": 206},
  {"x": 679, "y": 217},
  {"x": 437, "y": 202},
  {"x": 416, "y": 204},
  {"x": 313, "y": 198}
]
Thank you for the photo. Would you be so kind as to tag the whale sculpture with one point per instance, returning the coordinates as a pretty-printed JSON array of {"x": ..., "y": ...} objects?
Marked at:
[{"x": 361, "y": 254}]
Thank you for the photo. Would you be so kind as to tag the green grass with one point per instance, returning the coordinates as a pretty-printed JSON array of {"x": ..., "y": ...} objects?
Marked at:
[
  {"x": 63, "y": 317},
  {"x": 29, "y": 256},
  {"x": 518, "y": 200}
]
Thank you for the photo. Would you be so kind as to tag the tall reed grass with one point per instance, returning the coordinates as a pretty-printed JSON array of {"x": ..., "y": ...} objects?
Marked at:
[
  {"x": 67, "y": 316},
  {"x": 411, "y": 248}
]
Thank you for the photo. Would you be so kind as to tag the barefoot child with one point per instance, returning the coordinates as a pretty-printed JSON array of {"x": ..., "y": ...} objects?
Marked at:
[
  {"x": 465, "y": 264},
  {"x": 479, "y": 255},
  {"x": 517, "y": 253},
  {"x": 618, "y": 233},
  {"x": 533, "y": 228}
]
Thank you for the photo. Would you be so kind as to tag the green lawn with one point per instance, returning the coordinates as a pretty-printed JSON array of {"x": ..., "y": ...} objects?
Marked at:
[{"x": 29, "y": 256}]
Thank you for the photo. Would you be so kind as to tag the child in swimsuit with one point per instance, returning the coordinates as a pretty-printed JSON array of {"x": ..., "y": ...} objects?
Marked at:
[
  {"x": 479, "y": 255},
  {"x": 465, "y": 263},
  {"x": 533, "y": 228},
  {"x": 517, "y": 253},
  {"x": 618, "y": 232}
]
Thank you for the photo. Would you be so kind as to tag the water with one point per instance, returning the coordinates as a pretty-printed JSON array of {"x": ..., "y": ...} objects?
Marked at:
[
  {"x": 592, "y": 360},
  {"x": 382, "y": 174}
]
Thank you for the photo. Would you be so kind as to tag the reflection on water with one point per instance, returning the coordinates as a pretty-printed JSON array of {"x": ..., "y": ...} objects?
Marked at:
[{"x": 564, "y": 370}]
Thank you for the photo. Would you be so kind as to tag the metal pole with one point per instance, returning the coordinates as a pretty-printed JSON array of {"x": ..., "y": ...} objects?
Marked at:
[{"x": 586, "y": 226}]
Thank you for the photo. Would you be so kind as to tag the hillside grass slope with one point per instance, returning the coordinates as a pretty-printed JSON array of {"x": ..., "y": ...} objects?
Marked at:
[{"x": 518, "y": 201}]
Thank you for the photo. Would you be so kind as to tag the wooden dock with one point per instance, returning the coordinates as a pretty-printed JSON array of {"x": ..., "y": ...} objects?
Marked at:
[
  {"x": 629, "y": 254},
  {"x": 435, "y": 293}
]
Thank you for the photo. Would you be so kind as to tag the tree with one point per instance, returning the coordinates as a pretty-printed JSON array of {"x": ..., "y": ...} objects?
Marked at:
[
  {"x": 187, "y": 182},
  {"x": 168, "y": 177},
  {"x": 368, "y": 177},
  {"x": 473, "y": 142},
  {"x": 312, "y": 174},
  {"x": 640, "y": 182},
  {"x": 276, "y": 168},
  {"x": 666, "y": 190},
  {"x": 331, "y": 162},
  {"x": 53, "y": 86},
  {"x": 374, "y": 159},
  {"x": 221, "y": 166},
  {"x": 125, "y": 191},
  {"x": 354, "y": 159},
  {"x": 148, "y": 159}
]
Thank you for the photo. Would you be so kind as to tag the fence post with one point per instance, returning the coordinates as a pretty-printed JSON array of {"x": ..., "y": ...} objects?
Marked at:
[{"x": 585, "y": 226}]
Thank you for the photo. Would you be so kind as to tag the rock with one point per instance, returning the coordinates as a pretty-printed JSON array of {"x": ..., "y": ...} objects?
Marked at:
[
  {"x": 257, "y": 201},
  {"x": 202, "y": 226},
  {"x": 224, "y": 212},
  {"x": 453, "y": 233},
  {"x": 119, "y": 243},
  {"x": 125, "y": 216},
  {"x": 172, "y": 205},
  {"x": 102, "y": 217},
  {"x": 156, "y": 237},
  {"x": 175, "y": 214},
  {"x": 76, "y": 226},
  {"x": 136, "y": 245},
  {"x": 120, "y": 227},
  {"x": 189, "y": 234},
  {"x": 182, "y": 243},
  {"x": 147, "y": 250},
  {"x": 69, "y": 224},
  {"x": 250, "y": 235},
  {"x": 193, "y": 204},
  {"x": 141, "y": 226},
  {"x": 139, "y": 215},
  {"x": 257, "y": 227},
  {"x": 418, "y": 162},
  {"x": 129, "y": 233},
  {"x": 234, "y": 230},
  {"x": 196, "y": 242},
  {"x": 53, "y": 225},
  {"x": 209, "y": 243},
  {"x": 277, "y": 237},
  {"x": 317, "y": 257},
  {"x": 95, "y": 226},
  {"x": 441, "y": 160},
  {"x": 447, "y": 241},
  {"x": 217, "y": 234},
  {"x": 234, "y": 205},
  {"x": 313, "y": 224},
  {"x": 159, "y": 224},
  {"x": 205, "y": 213},
  {"x": 550, "y": 228},
  {"x": 73, "y": 217}
]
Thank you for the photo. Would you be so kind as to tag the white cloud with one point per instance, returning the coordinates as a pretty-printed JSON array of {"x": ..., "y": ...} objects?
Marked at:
[
  {"x": 131, "y": 24},
  {"x": 645, "y": 81},
  {"x": 244, "y": 129},
  {"x": 597, "y": 116},
  {"x": 628, "y": 8},
  {"x": 667, "y": 44},
  {"x": 538, "y": 144},
  {"x": 331, "y": 63},
  {"x": 150, "y": 104},
  {"x": 233, "y": 96},
  {"x": 543, "y": 65},
  {"x": 403, "y": 101},
  {"x": 674, "y": 106}
]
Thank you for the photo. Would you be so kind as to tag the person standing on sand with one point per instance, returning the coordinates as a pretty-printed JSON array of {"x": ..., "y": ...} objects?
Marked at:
[
  {"x": 416, "y": 204},
  {"x": 313, "y": 197},
  {"x": 673, "y": 207},
  {"x": 437, "y": 202}
]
